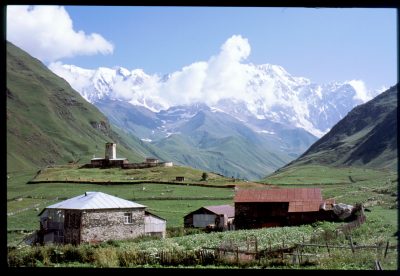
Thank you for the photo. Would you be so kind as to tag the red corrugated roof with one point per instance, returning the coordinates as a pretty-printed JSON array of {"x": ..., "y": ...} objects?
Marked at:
[{"x": 300, "y": 199}]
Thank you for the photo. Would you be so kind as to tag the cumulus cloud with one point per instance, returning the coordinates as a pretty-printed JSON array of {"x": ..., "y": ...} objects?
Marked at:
[
  {"x": 222, "y": 76},
  {"x": 47, "y": 33},
  {"x": 78, "y": 78},
  {"x": 362, "y": 93}
]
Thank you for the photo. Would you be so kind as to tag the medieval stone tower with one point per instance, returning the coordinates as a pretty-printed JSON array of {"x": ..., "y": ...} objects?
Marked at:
[{"x": 111, "y": 151}]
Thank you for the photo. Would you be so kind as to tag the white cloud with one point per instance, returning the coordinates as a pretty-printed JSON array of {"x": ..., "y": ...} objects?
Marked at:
[
  {"x": 222, "y": 76},
  {"x": 46, "y": 32},
  {"x": 362, "y": 93},
  {"x": 77, "y": 77}
]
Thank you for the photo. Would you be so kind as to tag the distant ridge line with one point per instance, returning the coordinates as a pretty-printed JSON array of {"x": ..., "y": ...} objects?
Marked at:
[{"x": 230, "y": 186}]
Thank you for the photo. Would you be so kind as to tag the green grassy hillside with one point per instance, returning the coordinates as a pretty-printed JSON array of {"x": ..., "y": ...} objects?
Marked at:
[
  {"x": 117, "y": 174},
  {"x": 229, "y": 156},
  {"x": 50, "y": 123},
  {"x": 366, "y": 137},
  {"x": 346, "y": 184}
]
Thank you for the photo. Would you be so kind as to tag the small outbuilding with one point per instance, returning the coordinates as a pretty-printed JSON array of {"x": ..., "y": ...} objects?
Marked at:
[
  {"x": 95, "y": 217},
  {"x": 154, "y": 225},
  {"x": 259, "y": 208},
  {"x": 218, "y": 217},
  {"x": 151, "y": 160}
]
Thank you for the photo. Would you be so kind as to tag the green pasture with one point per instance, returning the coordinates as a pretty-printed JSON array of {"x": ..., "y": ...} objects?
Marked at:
[
  {"x": 376, "y": 189},
  {"x": 63, "y": 173},
  {"x": 347, "y": 185},
  {"x": 171, "y": 202}
]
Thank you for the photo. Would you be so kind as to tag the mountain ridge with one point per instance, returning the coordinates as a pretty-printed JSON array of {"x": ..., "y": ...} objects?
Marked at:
[
  {"x": 365, "y": 137},
  {"x": 270, "y": 93},
  {"x": 49, "y": 123}
]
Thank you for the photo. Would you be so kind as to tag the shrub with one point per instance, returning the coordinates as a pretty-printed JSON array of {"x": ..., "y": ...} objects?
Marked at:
[
  {"x": 72, "y": 254},
  {"x": 106, "y": 257},
  {"x": 18, "y": 257},
  {"x": 56, "y": 254},
  {"x": 87, "y": 253},
  {"x": 204, "y": 176},
  {"x": 128, "y": 258},
  {"x": 113, "y": 243}
]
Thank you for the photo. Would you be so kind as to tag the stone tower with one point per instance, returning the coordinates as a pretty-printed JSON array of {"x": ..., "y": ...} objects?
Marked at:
[{"x": 111, "y": 151}]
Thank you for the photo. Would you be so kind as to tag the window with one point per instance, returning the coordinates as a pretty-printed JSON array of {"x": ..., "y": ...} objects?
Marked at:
[{"x": 127, "y": 218}]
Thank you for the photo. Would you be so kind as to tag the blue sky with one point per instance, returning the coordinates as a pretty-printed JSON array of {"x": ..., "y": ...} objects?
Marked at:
[{"x": 323, "y": 45}]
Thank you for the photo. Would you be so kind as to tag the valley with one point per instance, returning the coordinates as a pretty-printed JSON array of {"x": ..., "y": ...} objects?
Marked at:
[
  {"x": 52, "y": 131},
  {"x": 376, "y": 189}
]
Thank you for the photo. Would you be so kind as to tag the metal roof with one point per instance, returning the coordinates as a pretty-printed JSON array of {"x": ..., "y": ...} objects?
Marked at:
[
  {"x": 218, "y": 210},
  {"x": 95, "y": 200},
  {"x": 147, "y": 213},
  {"x": 222, "y": 210},
  {"x": 299, "y": 199}
]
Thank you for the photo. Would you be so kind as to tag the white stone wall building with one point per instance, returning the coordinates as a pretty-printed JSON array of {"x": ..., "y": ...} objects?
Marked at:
[{"x": 96, "y": 217}]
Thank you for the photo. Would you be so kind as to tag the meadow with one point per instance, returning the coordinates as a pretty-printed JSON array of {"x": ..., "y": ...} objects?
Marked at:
[
  {"x": 172, "y": 202},
  {"x": 163, "y": 174},
  {"x": 377, "y": 189}
]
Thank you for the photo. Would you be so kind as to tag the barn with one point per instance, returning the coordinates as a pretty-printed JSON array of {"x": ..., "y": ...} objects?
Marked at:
[
  {"x": 95, "y": 217},
  {"x": 220, "y": 217},
  {"x": 154, "y": 225},
  {"x": 280, "y": 207}
]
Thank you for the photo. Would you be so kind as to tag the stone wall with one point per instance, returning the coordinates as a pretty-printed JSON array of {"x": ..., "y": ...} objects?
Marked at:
[{"x": 102, "y": 225}]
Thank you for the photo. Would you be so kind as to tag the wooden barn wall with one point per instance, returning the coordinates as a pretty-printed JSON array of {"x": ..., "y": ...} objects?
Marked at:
[
  {"x": 250, "y": 215},
  {"x": 72, "y": 226},
  {"x": 188, "y": 219},
  {"x": 257, "y": 215}
]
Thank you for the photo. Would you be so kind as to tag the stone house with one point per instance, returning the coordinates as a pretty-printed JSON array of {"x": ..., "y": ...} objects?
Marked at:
[
  {"x": 257, "y": 208},
  {"x": 94, "y": 217},
  {"x": 218, "y": 217}
]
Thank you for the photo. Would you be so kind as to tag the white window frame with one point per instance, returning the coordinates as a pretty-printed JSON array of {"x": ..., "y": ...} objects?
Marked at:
[{"x": 128, "y": 218}]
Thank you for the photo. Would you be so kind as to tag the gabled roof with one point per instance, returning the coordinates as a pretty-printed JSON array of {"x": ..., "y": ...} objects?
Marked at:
[
  {"x": 299, "y": 199},
  {"x": 218, "y": 210},
  {"x": 95, "y": 200},
  {"x": 222, "y": 210},
  {"x": 147, "y": 213}
]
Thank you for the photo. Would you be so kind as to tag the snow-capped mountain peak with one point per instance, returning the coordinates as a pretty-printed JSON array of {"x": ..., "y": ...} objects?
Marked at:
[{"x": 269, "y": 93}]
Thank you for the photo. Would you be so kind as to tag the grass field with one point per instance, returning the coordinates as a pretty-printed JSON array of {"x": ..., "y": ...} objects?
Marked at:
[
  {"x": 171, "y": 202},
  {"x": 156, "y": 174},
  {"x": 376, "y": 189},
  {"x": 347, "y": 185},
  {"x": 316, "y": 175}
]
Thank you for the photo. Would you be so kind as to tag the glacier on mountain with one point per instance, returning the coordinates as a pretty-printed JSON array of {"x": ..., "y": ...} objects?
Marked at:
[{"x": 270, "y": 92}]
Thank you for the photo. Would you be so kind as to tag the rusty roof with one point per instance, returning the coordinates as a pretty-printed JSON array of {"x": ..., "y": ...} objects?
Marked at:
[
  {"x": 222, "y": 210},
  {"x": 299, "y": 199}
]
